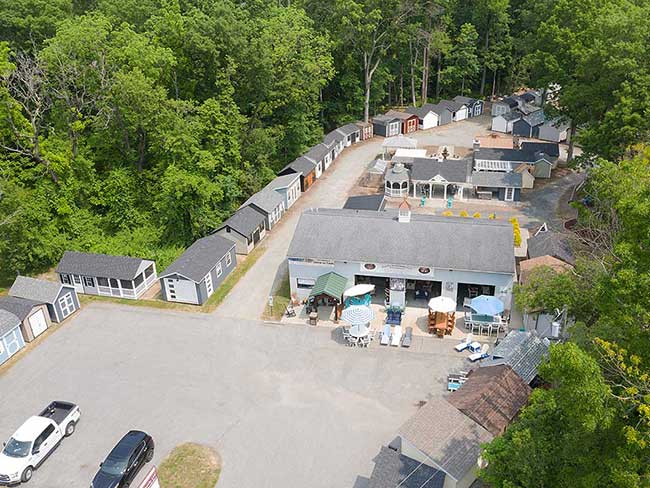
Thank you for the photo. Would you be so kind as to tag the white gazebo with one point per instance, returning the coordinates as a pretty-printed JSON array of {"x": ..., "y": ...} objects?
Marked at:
[
  {"x": 399, "y": 141},
  {"x": 396, "y": 182}
]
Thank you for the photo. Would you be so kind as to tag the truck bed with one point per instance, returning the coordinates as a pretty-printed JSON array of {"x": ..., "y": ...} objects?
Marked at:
[{"x": 58, "y": 411}]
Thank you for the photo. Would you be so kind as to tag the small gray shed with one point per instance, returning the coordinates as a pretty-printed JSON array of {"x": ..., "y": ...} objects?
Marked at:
[
  {"x": 61, "y": 299},
  {"x": 11, "y": 339},
  {"x": 194, "y": 276},
  {"x": 269, "y": 203},
  {"x": 246, "y": 227},
  {"x": 33, "y": 316}
]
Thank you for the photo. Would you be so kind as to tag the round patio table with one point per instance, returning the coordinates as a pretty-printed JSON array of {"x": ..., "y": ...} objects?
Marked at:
[{"x": 359, "y": 331}]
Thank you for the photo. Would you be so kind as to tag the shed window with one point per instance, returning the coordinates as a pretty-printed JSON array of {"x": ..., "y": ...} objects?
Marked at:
[
  {"x": 102, "y": 281},
  {"x": 305, "y": 282},
  {"x": 138, "y": 279},
  {"x": 77, "y": 279},
  {"x": 228, "y": 259},
  {"x": 127, "y": 284},
  {"x": 149, "y": 271},
  {"x": 89, "y": 281},
  {"x": 2, "y": 347},
  {"x": 66, "y": 279},
  {"x": 219, "y": 270}
]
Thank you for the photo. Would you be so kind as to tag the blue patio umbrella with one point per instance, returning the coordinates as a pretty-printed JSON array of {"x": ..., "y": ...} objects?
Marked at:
[{"x": 487, "y": 305}]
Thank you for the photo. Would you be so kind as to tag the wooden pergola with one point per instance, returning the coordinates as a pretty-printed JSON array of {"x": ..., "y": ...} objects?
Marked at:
[{"x": 329, "y": 289}]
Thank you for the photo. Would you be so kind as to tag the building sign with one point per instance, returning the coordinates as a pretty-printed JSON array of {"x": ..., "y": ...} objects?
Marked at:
[
  {"x": 317, "y": 262},
  {"x": 151, "y": 480},
  {"x": 369, "y": 266},
  {"x": 424, "y": 270}
]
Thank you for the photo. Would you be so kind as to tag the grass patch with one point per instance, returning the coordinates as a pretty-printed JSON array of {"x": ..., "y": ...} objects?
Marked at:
[
  {"x": 281, "y": 299},
  {"x": 232, "y": 279},
  {"x": 190, "y": 466}
]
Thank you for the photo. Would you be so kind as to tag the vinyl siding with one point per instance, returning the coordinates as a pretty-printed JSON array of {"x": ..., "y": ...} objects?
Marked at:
[{"x": 5, "y": 340}]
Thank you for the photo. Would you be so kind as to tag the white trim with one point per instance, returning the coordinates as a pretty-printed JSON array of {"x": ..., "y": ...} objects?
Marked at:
[
  {"x": 512, "y": 194},
  {"x": 228, "y": 259},
  {"x": 219, "y": 269}
]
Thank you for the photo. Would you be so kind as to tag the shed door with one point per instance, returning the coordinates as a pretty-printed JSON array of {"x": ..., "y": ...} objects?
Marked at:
[
  {"x": 38, "y": 323},
  {"x": 181, "y": 291},
  {"x": 256, "y": 236},
  {"x": 67, "y": 305},
  {"x": 12, "y": 342}
]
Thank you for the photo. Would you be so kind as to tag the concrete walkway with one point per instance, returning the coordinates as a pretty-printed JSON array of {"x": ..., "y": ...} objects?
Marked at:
[{"x": 248, "y": 298}]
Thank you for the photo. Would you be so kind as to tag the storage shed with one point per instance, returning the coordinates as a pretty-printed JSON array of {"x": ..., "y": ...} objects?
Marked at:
[
  {"x": 459, "y": 111},
  {"x": 11, "y": 339},
  {"x": 367, "y": 131},
  {"x": 106, "y": 275},
  {"x": 426, "y": 114},
  {"x": 288, "y": 186},
  {"x": 502, "y": 186},
  {"x": 528, "y": 125},
  {"x": 61, "y": 300},
  {"x": 303, "y": 167},
  {"x": 269, "y": 203},
  {"x": 194, "y": 276},
  {"x": 320, "y": 155},
  {"x": 33, "y": 316},
  {"x": 246, "y": 227},
  {"x": 504, "y": 122},
  {"x": 554, "y": 131},
  {"x": 351, "y": 134},
  {"x": 410, "y": 122},
  {"x": 387, "y": 126},
  {"x": 503, "y": 106},
  {"x": 474, "y": 106}
]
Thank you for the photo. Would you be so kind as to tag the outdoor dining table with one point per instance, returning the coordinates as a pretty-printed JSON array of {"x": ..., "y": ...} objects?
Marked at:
[{"x": 359, "y": 331}]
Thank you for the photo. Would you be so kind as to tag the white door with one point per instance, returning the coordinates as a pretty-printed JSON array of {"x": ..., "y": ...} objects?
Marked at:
[
  {"x": 43, "y": 444},
  {"x": 76, "y": 281},
  {"x": 510, "y": 194},
  {"x": 12, "y": 342},
  {"x": 67, "y": 305},
  {"x": 181, "y": 291},
  {"x": 208, "y": 283},
  {"x": 38, "y": 323}
]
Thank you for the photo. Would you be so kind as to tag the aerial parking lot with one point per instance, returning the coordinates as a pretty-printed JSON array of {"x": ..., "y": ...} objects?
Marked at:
[{"x": 284, "y": 405}]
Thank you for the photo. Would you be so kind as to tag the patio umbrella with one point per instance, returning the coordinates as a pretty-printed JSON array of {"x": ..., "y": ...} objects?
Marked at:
[
  {"x": 487, "y": 305},
  {"x": 357, "y": 315},
  {"x": 358, "y": 290},
  {"x": 442, "y": 304}
]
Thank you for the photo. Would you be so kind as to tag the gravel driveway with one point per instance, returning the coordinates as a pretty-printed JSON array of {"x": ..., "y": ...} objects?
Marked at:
[
  {"x": 285, "y": 406},
  {"x": 248, "y": 299}
]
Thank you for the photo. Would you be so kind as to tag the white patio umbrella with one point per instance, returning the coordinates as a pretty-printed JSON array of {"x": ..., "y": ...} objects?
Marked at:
[
  {"x": 358, "y": 290},
  {"x": 442, "y": 304},
  {"x": 357, "y": 315}
]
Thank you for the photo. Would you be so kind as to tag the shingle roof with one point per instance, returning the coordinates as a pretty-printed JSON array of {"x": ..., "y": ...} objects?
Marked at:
[
  {"x": 331, "y": 284},
  {"x": 103, "y": 265},
  {"x": 8, "y": 322},
  {"x": 422, "y": 111},
  {"x": 20, "y": 307},
  {"x": 266, "y": 199},
  {"x": 528, "y": 97},
  {"x": 550, "y": 244},
  {"x": 494, "y": 179},
  {"x": 37, "y": 290},
  {"x": 348, "y": 129},
  {"x": 557, "y": 124},
  {"x": 452, "y": 105},
  {"x": 492, "y": 397},
  {"x": 383, "y": 119},
  {"x": 333, "y": 137},
  {"x": 399, "y": 115},
  {"x": 284, "y": 181},
  {"x": 427, "y": 240},
  {"x": 200, "y": 258},
  {"x": 397, "y": 174},
  {"x": 528, "y": 265},
  {"x": 551, "y": 149},
  {"x": 439, "y": 108},
  {"x": 528, "y": 109},
  {"x": 535, "y": 118},
  {"x": 445, "y": 435},
  {"x": 515, "y": 155},
  {"x": 510, "y": 101},
  {"x": 317, "y": 153},
  {"x": 465, "y": 100},
  {"x": 301, "y": 165},
  {"x": 394, "y": 469},
  {"x": 452, "y": 170},
  {"x": 365, "y": 202},
  {"x": 522, "y": 351},
  {"x": 510, "y": 116},
  {"x": 245, "y": 221}
]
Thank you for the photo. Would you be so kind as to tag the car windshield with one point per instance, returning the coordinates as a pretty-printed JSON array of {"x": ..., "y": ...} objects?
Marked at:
[
  {"x": 114, "y": 466},
  {"x": 16, "y": 448}
]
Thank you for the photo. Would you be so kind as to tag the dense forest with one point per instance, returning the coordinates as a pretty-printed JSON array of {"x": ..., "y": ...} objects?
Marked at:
[{"x": 136, "y": 126}]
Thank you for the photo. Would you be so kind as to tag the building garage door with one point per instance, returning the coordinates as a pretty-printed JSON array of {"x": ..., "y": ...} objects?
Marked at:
[
  {"x": 181, "y": 291},
  {"x": 38, "y": 323},
  {"x": 66, "y": 303}
]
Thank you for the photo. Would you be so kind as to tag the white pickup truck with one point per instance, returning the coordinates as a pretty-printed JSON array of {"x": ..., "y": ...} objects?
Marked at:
[{"x": 35, "y": 440}]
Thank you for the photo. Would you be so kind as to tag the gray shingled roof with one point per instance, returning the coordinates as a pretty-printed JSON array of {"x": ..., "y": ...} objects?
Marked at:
[
  {"x": 104, "y": 265},
  {"x": 551, "y": 244},
  {"x": 318, "y": 152},
  {"x": 522, "y": 351},
  {"x": 245, "y": 221},
  {"x": 284, "y": 181},
  {"x": 551, "y": 149},
  {"x": 393, "y": 469},
  {"x": 399, "y": 115},
  {"x": 8, "y": 322},
  {"x": 510, "y": 101},
  {"x": 446, "y": 436},
  {"x": 427, "y": 240},
  {"x": 465, "y": 100},
  {"x": 383, "y": 119},
  {"x": 200, "y": 258},
  {"x": 20, "y": 307},
  {"x": 494, "y": 179},
  {"x": 301, "y": 165},
  {"x": 440, "y": 107},
  {"x": 528, "y": 109},
  {"x": 348, "y": 129},
  {"x": 452, "y": 105},
  {"x": 33, "y": 289},
  {"x": 422, "y": 111},
  {"x": 510, "y": 116},
  {"x": 333, "y": 137},
  {"x": 516, "y": 155},
  {"x": 452, "y": 170},
  {"x": 557, "y": 124},
  {"x": 266, "y": 199},
  {"x": 535, "y": 118},
  {"x": 365, "y": 202},
  {"x": 397, "y": 174}
]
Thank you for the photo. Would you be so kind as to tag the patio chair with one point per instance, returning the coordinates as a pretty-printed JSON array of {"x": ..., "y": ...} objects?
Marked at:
[
  {"x": 477, "y": 356},
  {"x": 456, "y": 380},
  {"x": 396, "y": 337},
  {"x": 385, "y": 335},
  {"x": 408, "y": 337},
  {"x": 290, "y": 311},
  {"x": 465, "y": 344}
]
